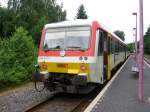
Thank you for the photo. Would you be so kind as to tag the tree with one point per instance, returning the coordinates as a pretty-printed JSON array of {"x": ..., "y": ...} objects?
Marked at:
[
  {"x": 8, "y": 22},
  {"x": 33, "y": 14},
  {"x": 131, "y": 46},
  {"x": 81, "y": 13},
  {"x": 147, "y": 41},
  {"x": 120, "y": 34},
  {"x": 17, "y": 55}
]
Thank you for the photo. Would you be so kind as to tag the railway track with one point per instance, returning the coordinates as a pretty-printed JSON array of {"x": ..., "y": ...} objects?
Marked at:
[{"x": 65, "y": 102}]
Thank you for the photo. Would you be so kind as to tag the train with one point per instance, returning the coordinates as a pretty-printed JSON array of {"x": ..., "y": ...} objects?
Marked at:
[{"x": 77, "y": 54}]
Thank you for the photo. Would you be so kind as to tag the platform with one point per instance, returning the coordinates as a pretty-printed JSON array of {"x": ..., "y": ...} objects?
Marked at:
[{"x": 121, "y": 94}]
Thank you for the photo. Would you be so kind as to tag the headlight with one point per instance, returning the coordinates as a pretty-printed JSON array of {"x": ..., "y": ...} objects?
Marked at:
[
  {"x": 43, "y": 66},
  {"x": 83, "y": 67}
]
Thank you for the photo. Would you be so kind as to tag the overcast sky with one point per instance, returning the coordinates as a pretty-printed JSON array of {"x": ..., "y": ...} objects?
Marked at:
[{"x": 114, "y": 14}]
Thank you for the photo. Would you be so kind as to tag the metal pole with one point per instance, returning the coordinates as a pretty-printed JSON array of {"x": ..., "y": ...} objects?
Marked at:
[{"x": 141, "y": 58}]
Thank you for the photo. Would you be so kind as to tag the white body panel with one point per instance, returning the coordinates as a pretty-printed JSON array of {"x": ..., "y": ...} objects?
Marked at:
[
  {"x": 96, "y": 70},
  {"x": 66, "y": 59},
  {"x": 117, "y": 58}
]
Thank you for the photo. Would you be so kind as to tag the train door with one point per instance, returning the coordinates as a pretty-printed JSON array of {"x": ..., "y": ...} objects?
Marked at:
[
  {"x": 100, "y": 55},
  {"x": 105, "y": 56},
  {"x": 103, "y": 53}
]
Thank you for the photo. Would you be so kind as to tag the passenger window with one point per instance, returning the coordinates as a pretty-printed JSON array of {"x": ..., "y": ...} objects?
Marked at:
[
  {"x": 116, "y": 47},
  {"x": 113, "y": 46},
  {"x": 109, "y": 44}
]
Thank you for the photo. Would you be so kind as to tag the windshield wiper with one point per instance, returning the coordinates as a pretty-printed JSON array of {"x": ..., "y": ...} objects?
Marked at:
[
  {"x": 56, "y": 47},
  {"x": 76, "y": 47},
  {"x": 51, "y": 48},
  {"x": 73, "y": 47}
]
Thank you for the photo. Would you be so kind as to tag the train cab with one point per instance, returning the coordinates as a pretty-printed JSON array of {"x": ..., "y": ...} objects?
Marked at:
[{"x": 75, "y": 53}]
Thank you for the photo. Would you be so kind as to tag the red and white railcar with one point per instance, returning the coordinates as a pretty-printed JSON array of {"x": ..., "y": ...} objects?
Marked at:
[{"x": 78, "y": 53}]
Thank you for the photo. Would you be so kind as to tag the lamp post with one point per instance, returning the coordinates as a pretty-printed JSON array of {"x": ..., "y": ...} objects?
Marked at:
[
  {"x": 136, "y": 49},
  {"x": 134, "y": 41},
  {"x": 141, "y": 54}
]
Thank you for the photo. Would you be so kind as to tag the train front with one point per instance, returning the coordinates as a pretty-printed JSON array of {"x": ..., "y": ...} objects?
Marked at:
[{"x": 65, "y": 56}]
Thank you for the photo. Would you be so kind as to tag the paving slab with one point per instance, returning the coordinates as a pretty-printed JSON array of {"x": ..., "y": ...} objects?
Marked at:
[{"x": 122, "y": 95}]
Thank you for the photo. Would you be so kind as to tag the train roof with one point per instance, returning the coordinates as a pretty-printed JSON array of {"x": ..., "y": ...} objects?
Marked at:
[
  {"x": 81, "y": 22},
  {"x": 113, "y": 34},
  {"x": 77, "y": 22}
]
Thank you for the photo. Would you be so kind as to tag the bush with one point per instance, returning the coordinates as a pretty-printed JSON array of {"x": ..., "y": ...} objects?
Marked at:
[
  {"x": 147, "y": 42},
  {"x": 17, "y": 58}
]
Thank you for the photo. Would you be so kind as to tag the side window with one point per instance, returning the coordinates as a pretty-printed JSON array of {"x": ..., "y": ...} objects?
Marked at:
[
  {"x": 100, "y": 41},
  {"x": 119, "y": 47},
  {"x": 112, "y": 46},
  {"x": 116, "y": 47},
  {"x": 109, "y": 44}
]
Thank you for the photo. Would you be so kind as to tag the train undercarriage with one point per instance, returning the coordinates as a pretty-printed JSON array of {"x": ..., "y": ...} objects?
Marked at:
[{"x": 69, "y": 83}]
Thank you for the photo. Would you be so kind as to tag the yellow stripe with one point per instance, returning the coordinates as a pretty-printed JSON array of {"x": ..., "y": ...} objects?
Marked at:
[
  {"x": 70, "y": 68},
  {"x": 109, "y": 35},
  {"x": 109, "y": 71},
  {"x": 109, "y": 58}
]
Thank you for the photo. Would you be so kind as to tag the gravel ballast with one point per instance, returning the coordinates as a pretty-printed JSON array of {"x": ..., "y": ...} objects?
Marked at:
[{"x": 23, "y": 98}]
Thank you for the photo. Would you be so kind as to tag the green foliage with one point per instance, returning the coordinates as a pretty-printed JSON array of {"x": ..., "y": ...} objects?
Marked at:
[
  {"x": 8, "y": 21},
  {"x": 17, "y": 56},
  {"x": 37, "y": 30},
  {"x": 147, "y": 41},
  {"x": 30, "y": 14},
  {"x": 17, "y": 48},
  {"x": 130, "y": 47},
  {"x": 81, "y": 13},
  {"x": 120, "y": 34}
]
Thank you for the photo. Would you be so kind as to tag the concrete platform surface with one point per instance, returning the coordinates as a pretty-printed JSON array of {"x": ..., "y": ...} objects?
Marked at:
[{"x": 122, "y": 95}]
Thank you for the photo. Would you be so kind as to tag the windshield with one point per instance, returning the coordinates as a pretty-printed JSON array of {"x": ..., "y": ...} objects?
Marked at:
[{"x": 74, "y": 38}]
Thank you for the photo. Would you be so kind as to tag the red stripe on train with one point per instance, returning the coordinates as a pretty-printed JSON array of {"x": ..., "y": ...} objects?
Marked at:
[{"x": 89, "y": 52}]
